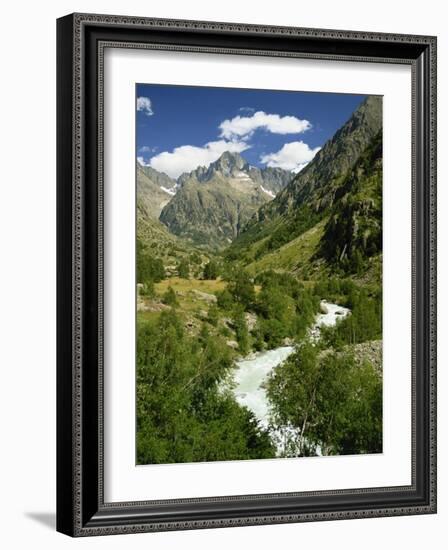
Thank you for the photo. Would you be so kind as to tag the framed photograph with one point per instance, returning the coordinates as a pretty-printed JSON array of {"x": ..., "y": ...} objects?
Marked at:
[{"x": 246, "y": 274}]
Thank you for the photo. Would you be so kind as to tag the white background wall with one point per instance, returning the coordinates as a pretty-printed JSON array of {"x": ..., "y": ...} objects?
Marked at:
[{"x": 27, "y": 289}]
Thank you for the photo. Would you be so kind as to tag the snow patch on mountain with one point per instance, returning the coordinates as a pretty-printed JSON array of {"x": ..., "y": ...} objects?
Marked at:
[
  {"x": 242, "y": 176},
  {"x": 171, "y": 192},
  {"x": 270, "y": 193}
]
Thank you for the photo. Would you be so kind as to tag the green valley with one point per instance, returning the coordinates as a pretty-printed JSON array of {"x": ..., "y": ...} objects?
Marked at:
[{"x": 235, "y": 263}]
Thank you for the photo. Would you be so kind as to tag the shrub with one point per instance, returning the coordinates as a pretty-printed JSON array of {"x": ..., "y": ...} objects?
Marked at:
[
  {"x": 148, "y": 289},
  {"x": 225, "y": 300},
  {"x": 169, "y": 297},
  {"x": 183, "y": 269},
  {"x": 211, "y": 270}
]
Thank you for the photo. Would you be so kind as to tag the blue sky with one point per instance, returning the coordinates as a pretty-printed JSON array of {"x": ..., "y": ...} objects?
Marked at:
[{"x": 181, "y": 127}]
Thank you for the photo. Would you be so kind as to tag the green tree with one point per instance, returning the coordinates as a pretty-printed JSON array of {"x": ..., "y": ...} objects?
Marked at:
[
  {"x": 333, "y": 401},
  {"x": 274, "y": 303},
  {"x": 272, "y": 331},
  {"x": 169, "y": 297},
  {"x": 148, "y": 289},
  {"x": 363, "y": 324},
  {"x": 148, "y": 267},
  {"x": 242, "y": 334},
  {"x": 182, "y": 415},
  {"x": 211, "y": 270},
  {"x": 225, "y": 300},
  {"x": 242, "y": 289},
  {"x": 195, "y": 258},
  {"x": 285, "y": 306},
  {"x": 183, "y": 269}
]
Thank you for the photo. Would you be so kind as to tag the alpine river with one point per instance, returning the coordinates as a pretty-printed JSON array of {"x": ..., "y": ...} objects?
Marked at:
[{"x": 253, "y": 371}]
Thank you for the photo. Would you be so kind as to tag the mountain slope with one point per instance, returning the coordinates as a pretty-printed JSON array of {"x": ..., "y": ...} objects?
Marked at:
[
  {"x": 353, "y": 232},
  {"x": 348, "y": 240},
  {"x": 154, "y": 191},
  {"x": 214, "y": 203},
  {"x": 310, "y": 195},
  {"x": 296, "y": 256}
]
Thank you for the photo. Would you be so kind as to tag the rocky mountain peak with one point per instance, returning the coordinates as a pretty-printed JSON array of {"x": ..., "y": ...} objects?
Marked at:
[
  {"x": 213, "y": 203},
  {"x": 229, "y": 163}
]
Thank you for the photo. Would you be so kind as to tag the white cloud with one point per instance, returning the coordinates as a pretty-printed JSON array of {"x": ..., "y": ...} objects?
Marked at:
[
  {"x": 142, "y": 161},
  {"x": 292, "y": 156},
  {"x": 144, "y": 104},
  {"x": 235, "y": 134},
  {"x": 188, "y": 157},
  {"x": 147, "y": 149},
  {"x": 242, "y": 127}
]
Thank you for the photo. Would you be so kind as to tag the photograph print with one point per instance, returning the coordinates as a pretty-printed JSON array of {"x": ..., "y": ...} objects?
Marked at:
[{"x": 259, "y": 274}]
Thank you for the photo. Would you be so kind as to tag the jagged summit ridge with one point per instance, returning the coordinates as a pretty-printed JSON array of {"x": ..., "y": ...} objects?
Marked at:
[{"x": 214, "y": 203}]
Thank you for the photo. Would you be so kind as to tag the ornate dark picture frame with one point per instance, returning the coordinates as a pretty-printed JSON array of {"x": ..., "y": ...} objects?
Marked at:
[{"x": 81, "y": 509}]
